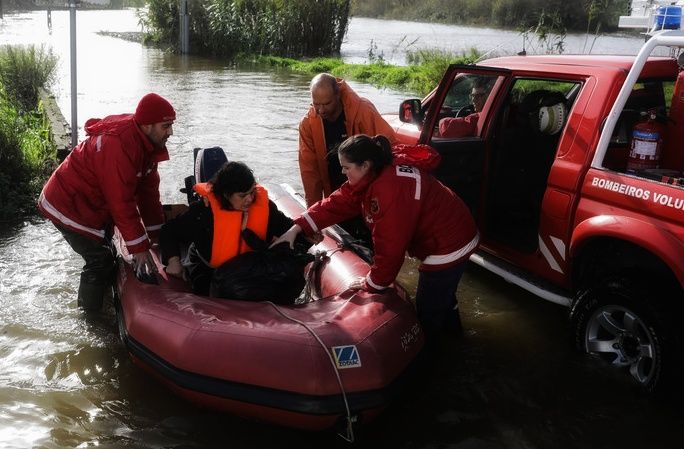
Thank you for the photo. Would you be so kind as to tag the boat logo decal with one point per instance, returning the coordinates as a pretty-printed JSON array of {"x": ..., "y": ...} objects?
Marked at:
[{"x": 346, "y": 356}]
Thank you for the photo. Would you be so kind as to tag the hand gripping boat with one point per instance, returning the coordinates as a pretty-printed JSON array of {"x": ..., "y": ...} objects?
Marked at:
[{"x": 335, "y": 360}]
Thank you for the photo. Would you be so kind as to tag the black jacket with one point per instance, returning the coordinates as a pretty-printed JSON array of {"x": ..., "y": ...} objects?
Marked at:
[{"x": 196, "y": 226}]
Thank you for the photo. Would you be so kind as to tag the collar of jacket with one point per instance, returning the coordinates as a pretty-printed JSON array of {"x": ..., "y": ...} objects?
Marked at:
[{"x": 123, "y": 123}]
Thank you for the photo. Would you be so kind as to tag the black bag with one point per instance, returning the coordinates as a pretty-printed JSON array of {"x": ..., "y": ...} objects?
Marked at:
[{"x": 275, "y": 274}]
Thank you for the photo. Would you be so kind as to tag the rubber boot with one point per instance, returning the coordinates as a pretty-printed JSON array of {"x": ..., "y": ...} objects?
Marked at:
[
  {"x": 453, "y": 325},
  {"x": 91, "y": 296}
]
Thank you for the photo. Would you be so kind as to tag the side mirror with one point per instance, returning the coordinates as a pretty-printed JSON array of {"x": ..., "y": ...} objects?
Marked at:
[{"x": 411, "y": 111}]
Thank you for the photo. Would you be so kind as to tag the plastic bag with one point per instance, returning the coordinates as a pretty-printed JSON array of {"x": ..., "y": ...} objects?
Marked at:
[{"x": 275, "y": 274}]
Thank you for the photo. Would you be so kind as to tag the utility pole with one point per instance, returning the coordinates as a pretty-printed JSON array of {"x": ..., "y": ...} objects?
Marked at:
[
  {"x": 184, "y": 27},
  {"x": 74, "y": 91}
]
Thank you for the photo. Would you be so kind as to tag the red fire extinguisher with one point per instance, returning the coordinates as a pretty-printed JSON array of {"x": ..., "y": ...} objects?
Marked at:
[{"x": 647, "y": 141}]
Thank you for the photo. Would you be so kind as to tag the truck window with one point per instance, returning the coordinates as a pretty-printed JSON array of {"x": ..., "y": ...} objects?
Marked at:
[
  {"x": 643, "y": 141},
  {"x": 467, "y": 99}
]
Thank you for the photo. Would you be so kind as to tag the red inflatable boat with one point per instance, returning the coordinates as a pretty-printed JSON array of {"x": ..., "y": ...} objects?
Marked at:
[{"x": 338, "y": 359}]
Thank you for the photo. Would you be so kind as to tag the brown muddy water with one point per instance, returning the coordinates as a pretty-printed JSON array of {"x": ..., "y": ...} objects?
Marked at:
[{"x": 512, "y": 381}]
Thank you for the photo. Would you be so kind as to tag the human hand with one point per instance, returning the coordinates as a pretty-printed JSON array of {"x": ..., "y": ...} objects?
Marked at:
[
  {"x": 357, "y": 284},
  {"x": 143, "y": 265},
  {"x": 315, "y": 238},
  {"x": 289, "y": 236},
  {"x": 175, "y": 268}
]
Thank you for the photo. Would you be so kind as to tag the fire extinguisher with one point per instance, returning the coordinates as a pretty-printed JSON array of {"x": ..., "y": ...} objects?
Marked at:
[{"x": 647, "y": 141}]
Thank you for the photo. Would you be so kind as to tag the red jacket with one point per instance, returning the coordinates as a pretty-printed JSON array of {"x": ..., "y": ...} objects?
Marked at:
[
  {"x": 361, "y": 117},
  {"x": 109, "y": 179},
  {"x": 459, "y": 126},
  {"x": 406, "y": 209}
]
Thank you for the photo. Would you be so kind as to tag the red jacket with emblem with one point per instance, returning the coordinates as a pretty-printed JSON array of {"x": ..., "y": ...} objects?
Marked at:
[
  {"x": 110, "y": 178},
  {"x": 406, "y": 209}
]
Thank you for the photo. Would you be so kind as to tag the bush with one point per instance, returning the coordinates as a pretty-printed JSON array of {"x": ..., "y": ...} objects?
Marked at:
[
  {"x": 27, "y": 154},
  {"x": 24, "y": 71},
  {"x": 292, "y": 28}
]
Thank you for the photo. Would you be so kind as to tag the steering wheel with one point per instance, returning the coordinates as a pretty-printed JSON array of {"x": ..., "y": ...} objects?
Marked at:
[{"x": 466, "y": 110}]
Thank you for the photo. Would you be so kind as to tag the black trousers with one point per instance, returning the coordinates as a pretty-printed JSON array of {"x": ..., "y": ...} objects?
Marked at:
[
  {"x": 97, "y": 275},
  {"x": 436, "y": 302}
]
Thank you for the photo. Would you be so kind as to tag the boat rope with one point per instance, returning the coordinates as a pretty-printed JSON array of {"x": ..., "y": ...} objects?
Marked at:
[
  {"x": 312, "y": 288},
  {"x": 349, "y": 437}
]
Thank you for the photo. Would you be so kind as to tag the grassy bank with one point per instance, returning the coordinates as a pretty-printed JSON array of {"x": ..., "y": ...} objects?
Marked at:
[
  {"x": 424, "y": 71},
  {"x": 27, "y": 154}
]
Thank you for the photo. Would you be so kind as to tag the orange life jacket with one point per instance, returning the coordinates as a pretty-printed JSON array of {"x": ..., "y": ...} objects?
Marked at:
[{"x": 228, "y": 242}]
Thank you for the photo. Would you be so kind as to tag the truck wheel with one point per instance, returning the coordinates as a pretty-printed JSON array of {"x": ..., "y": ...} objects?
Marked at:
[{"x": 621, "y": 324}]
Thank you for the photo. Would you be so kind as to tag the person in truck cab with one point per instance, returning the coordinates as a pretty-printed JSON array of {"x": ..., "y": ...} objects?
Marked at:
[
  {"x": 406, "y": 210},
  {"x": 466, "y": 126}
]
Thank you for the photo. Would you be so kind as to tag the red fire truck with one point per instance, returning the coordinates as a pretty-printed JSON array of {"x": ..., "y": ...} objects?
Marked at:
[{"x": 574, "y": 169}]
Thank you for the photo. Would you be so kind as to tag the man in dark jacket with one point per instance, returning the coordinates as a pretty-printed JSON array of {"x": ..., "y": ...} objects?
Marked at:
[{"x": 111, "y": 179}]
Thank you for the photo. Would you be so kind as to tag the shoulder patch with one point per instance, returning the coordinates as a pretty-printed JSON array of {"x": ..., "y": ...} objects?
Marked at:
[
  {"x": 374, "y": 206},
  {"x": 410, "y": 172}
]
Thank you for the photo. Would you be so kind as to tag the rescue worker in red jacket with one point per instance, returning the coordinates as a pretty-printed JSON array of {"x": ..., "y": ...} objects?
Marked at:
[
  {"x": 231, "y": 202},
  {"x": 406, "y": 209},
  {"x": 111, "y": 179},
  {"x": 336, "y": 113}
]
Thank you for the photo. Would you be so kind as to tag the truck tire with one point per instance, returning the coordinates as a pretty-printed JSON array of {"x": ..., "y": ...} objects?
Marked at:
[{"x": 622, "y": 324}]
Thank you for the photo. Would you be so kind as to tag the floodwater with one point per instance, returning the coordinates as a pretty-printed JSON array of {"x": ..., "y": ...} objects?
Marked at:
[{"x": 512, "y": 381}]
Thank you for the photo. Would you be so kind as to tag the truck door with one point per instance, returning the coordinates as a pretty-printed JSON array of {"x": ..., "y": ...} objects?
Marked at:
[
  {"x": 498, "y": 135},
  {"x": 458, "y": 116}
]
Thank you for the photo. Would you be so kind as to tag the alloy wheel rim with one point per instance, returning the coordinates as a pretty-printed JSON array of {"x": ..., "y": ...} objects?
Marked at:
[{"x": 620, "y": 337}]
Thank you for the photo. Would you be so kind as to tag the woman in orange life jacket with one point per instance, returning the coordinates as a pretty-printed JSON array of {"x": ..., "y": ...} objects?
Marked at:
[
  {"x": 231, "y": 202},
  {"x": 406, "y": 210}
]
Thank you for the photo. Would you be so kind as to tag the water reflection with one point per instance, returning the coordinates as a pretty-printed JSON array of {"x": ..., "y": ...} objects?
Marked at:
[{"x": 393, "y": 38}]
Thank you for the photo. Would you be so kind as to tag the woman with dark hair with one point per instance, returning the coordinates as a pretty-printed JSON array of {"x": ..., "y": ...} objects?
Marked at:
[
  {"x": 231, "y": 202},
  {"x": 406, "y": 209}
]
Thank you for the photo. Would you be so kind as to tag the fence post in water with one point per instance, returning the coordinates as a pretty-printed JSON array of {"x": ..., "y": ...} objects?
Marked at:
[
  {"x": 72, "y": 28},
  {"x": 184, "y": 27}
]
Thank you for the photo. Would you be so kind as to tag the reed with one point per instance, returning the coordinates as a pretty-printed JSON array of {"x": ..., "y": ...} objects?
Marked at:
[
  {"x": 27, "y": 154},
  {"x": 292, "y": 28},
  {"x": 24, "y": 70}
]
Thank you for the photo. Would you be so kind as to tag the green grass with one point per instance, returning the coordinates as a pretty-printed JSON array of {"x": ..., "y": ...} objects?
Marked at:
[
  {"x": 420, "y": 77},
  {"x": 23, "y": 71},
  {"x": 27, "y": 153}
]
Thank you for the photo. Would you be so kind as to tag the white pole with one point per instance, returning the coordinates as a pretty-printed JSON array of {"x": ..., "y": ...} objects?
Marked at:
[{"x": 74, "y": 121}]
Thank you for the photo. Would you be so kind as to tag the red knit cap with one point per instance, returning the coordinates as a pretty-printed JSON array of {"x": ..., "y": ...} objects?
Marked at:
[{"x": 154, "y": 109}]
